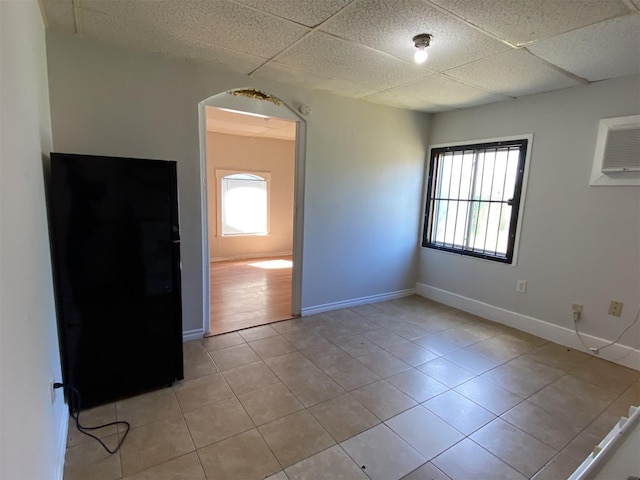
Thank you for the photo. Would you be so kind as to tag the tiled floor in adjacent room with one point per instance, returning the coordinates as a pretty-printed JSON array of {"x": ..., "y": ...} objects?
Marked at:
[{"x": 402, "y": 389}]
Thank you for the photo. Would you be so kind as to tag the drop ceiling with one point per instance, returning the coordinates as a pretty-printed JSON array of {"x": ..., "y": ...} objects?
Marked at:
[{"x": 483, "y": 51}]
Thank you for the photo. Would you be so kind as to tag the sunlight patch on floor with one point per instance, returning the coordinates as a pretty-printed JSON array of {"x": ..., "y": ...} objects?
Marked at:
[{"x": 272, "y": 264}]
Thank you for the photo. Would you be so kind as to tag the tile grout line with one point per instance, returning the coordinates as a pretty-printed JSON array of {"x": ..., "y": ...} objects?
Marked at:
[{"x": 343, "y": 322}]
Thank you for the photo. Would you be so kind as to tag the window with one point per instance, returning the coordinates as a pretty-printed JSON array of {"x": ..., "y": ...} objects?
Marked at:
[
  {"x": 244, "y": 203},
  {"x": 473, "y": 198}
]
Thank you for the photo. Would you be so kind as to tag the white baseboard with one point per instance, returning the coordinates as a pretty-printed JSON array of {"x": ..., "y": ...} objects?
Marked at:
[
  {"x": 621, "y": 354},
  {"x": 61, "y": 443},
  {"x": 251, "y": 255},
  {"x": 192, "y": 334},
  {"x": 199, "y": 333},
  {"x": 357, "y": 301}
]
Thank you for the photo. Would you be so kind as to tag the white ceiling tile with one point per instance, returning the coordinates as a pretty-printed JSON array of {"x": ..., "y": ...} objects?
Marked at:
[
  {"x": 117, "y": 31},
  {"x": 367, "y": 50},
  {"x": 515, "y": 73},
  {"x": 301, "y": 78},
  {"x": 402, "y": 100},
  {"x": 389, "y": 26},
  {"x": 326, "y": 55},
  {"x": 523, "y": 21},
  {"x": 58, "y": 15},
  {"x": 447, "y": 92},
  {"x": 222, "y": 57},
  {"x": 615, "y": 43},
  {"x": 306, "y": 12},
  {"x": 214, "y": 22},
  {"x": 232, "y": 123}
]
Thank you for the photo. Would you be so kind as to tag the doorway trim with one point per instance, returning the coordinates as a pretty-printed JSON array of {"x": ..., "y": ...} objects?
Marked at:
[{"x": 243, "y": 104}]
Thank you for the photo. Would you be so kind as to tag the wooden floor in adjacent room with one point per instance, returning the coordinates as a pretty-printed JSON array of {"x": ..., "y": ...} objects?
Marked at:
[{"x": 249, "y": 292}]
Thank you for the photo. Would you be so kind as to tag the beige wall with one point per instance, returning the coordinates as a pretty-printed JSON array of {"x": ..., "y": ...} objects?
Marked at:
[
  {"x": 578, "y": 244},
  {"x": 363, "y": 175},
  {"x": 253, "y": 154},
  {"x": 33, "y": 426}
]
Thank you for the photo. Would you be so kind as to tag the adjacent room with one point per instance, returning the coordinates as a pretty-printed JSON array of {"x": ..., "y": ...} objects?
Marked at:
[
  {"x": 409, "y": 237},
  {"x": 250, "y": 202}
]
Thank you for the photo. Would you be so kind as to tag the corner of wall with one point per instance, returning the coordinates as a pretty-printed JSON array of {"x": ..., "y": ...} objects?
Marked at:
[{"x": 620, "y": 354}]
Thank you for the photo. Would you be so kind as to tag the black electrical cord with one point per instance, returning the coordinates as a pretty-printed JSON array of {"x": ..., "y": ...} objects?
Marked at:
[{"x": 74, "y": 401}]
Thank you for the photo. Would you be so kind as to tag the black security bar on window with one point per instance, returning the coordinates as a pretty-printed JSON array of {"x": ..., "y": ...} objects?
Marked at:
[{"x": 473, "y": 199}]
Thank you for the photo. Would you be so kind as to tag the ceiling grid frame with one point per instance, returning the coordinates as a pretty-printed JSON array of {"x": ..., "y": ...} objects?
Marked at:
[{"x": 468, "y": 84}]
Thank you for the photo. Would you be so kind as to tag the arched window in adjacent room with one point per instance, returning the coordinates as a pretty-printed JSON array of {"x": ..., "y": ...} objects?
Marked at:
[{"x": 244, "y": 203}]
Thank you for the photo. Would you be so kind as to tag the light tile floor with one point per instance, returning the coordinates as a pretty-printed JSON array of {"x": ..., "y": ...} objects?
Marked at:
[{"x": 402, "y": 389}]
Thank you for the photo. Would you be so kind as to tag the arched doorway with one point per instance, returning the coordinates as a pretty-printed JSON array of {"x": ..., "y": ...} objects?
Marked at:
[{"x": 256, "y": 104}]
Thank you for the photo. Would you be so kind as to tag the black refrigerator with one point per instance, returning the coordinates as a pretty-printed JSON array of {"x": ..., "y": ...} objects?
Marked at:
[{"x": 116, "y": 258}]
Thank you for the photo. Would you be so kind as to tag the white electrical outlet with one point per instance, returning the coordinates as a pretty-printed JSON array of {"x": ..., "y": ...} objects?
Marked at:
[
  {"x": 521, "y": 286},
  {"x": 576, "y": 311},
  {"x": 615, "y": 308}
]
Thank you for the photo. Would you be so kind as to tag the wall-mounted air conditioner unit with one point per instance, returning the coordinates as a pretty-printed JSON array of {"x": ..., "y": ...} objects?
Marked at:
[{"x": 617, "y": 156}]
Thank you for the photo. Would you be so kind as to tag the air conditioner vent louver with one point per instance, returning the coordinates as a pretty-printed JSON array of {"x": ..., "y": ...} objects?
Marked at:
[
  {"x": 616, "y": 160},
  {"x": 622, "y": 150}
]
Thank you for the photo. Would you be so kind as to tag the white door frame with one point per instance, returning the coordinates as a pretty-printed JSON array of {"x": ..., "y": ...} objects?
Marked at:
[{"x": 260, "y": 107}]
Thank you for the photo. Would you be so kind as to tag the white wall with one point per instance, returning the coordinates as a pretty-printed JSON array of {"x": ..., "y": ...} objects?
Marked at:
[
  {"x": 32, "y": 429},
  {"x": 363, "y": 175},
  {"x": 253, "y": 154},
  {"x": 579, "y": 244}
]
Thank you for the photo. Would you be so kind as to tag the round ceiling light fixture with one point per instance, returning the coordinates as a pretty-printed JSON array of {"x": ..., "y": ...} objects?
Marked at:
[{"x": 421, "y": 42}]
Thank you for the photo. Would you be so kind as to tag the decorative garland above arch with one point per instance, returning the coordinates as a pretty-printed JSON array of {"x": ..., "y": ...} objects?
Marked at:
[{"x": 256, "y": 95}]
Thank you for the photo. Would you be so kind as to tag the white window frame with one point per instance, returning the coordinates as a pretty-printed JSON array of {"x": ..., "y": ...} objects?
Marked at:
[
  {"x": 220, "y": 174},
  {"x": 523, "y": 194}
]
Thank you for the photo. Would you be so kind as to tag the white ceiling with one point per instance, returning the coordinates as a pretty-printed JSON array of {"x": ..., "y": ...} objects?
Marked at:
[
  {"x": 482, "y": 51},
  {"x": 249, "y": 125}
]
